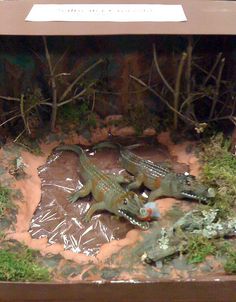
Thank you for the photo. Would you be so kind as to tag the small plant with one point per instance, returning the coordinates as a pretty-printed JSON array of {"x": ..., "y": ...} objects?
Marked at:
[
  {"x": 230, "y": 264},
  {"x": 229, "y": 251},
  {"x": 18, "y": 168},
  {"x": 79, "y": 114},
  {"x": 141, "y": 118},
  {"x": 73, "y": 112},
  {"x": 219, "y": 172},
  {"x": 21, "y": 266},
  {"x": 5, "y": 200},
  {"x": 198, "y": 247}
]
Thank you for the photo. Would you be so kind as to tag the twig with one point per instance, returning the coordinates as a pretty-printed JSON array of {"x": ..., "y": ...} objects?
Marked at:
[
  {"x": 9, "y": 98},
  {"x": 22, "y": 112},
  {"x": 62, "y": 74},
  {"x": 189, "y": 67},
  {"x": 177, "y": 88},
  {"x": 217, "y": 88},
  {"x": 76, "y": 96},
  {"x": 10, "y": 119},
  {"x": 193, "y": 97},
  {"x": 81, "y": 75},
  {"x": 160, "y": 72},
  {"x": 213, "y": 68},
  {"x": 203, "y": 70},
  {"x": 94, "y": 99},
  {"x": 59, "y": 60},
  {"x": 53, "y": 84},
  {"x": 19, "y": 135}
]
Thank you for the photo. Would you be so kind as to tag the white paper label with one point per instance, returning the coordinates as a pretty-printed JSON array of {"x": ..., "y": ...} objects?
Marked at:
[{"x": 107, "y": 12}]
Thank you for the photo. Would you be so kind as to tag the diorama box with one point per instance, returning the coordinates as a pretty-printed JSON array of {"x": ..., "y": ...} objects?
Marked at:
[{"x": 118, "y": 156}]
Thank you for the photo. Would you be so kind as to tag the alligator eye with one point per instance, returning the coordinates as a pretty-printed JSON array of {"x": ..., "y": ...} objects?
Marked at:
[{"x": 125, "y": 202}]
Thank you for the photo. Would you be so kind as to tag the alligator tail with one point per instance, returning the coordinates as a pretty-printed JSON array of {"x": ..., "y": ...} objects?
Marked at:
[
  {"x": 114, "y": 146},
  {"x": 109, "y": 145},
  {"x": 74, "y": 148}
]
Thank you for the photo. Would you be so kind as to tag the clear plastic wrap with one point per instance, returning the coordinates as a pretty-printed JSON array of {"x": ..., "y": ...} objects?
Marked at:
[{"x": 61, "y": 221}]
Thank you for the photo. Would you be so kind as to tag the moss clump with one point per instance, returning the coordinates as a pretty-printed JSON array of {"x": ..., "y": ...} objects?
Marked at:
[
  {"x": 228, "y": 251},
  {"x": 80, "y": 115},
  {"x": 73, "y": 113},
  {"x": 5, "y": 200},
  {"x": 219, "y": 172},
  {"x": 230, "y": 264},
  {"x": 21, "y": 266},
  {"x": 198, "y": 247}
]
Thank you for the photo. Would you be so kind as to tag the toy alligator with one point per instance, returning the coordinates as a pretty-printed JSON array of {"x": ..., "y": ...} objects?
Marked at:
[
  {"x": 161, "y": 180},
  {"x": 107, "y": 192}
]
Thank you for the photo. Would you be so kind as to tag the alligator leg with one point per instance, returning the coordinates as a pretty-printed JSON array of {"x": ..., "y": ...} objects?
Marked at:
[
  {"x": 155, "y": 194},
  {"x": 94, "y": 207},
  {"x": 137, "y": 183},
  {"x": 86, "y": 190}
]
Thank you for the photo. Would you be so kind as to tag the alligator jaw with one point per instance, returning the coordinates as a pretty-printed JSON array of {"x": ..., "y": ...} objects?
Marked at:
[
  {"x": 142, "y": 224},
  {"x": 194, "y": 196}
]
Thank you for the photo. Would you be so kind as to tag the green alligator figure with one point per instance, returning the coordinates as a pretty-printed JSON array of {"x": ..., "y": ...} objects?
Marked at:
[
  {"x": 107, "y": 191},
  {"x": 162, "y": 181}
]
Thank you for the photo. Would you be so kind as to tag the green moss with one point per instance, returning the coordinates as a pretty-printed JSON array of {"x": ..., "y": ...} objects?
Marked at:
[
  {"x": 78, "y": 114},
  {"x": 198, "y": 247},
  {"x": 219, "y": 172},
  {"x": 228, "y": 251},
  {"x": 21, "y": 266},
  {"x": 72, "y": 112},
  {"x": 5, "y": 200},
  {"x": 230, "y": 264}
]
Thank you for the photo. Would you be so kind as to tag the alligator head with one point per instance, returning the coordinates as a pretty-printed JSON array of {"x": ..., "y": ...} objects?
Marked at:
[
  {"x": 130, "y": 207},
  {"x": 186, "y": 186}
]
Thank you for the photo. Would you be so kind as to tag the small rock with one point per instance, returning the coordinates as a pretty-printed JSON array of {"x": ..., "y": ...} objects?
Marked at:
[
  {"x": 99, "y": 134},
  {"x": 149, "y": 132},
  {"x": 125, "y": 131},
  {"x": 110, "y": 118}
]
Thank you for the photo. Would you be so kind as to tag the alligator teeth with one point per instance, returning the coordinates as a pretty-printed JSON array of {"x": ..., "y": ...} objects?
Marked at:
[
  {"x": 193, "y": 196},
  {"x": 142, "y": 225}
]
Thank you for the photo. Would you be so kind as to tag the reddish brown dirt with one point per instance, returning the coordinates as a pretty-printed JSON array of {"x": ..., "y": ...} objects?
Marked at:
[{"x": 31, "y": 189}]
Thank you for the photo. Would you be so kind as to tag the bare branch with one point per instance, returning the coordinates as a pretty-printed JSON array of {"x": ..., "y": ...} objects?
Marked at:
[
  {"x": 203, "y": 70},
  {"x": 213, "y": 68},
  {"x": 82, "y": 92},
  {"x": 80, "y": 76},
  {"x": 177, "y": 88},
  {"x": 160, "y": 72},
  {"x": 62, "y": 74},
  {"x": 9, "y": 98},
  {"x": 10, "y": 119},
  {"x": 22, "y": 112},
  {"x": 60, "y": 59},
  {"x": 189, "y": 66},
  {"x": 19, "y": 135},
  {"x": 217, "y": 88},
  {"x": 53, "y": 84}
]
